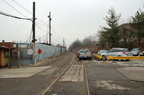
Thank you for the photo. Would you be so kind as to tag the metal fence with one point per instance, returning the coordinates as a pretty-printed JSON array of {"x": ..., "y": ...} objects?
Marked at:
[{"x": 20, "y": 56}]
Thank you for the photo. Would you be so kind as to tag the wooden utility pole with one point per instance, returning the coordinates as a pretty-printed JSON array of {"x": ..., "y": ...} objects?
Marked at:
[
  {"x": 50, "y": 27},
  {"x": 33, "y": 28},
  {"x": 33, "y": 25}
]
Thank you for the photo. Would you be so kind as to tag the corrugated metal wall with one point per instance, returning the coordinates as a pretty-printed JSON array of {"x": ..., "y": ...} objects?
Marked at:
[
  {"x": 47, "y": 51},
  {"x": 23, "y": 59}
]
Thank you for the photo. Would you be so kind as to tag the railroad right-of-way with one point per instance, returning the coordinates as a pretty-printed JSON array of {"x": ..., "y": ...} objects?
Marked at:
[
  {"x": 92, "y": 77},
  {"x": 66, "y": 75},
  {"x": 72, "y": 81}
]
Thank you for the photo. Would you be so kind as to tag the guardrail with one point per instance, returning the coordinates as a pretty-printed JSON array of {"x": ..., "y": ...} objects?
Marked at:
[
  {"x": 126, "y": 57},
  {"x": 97, "y": 56},
  {"x": 120, "y": 57}
]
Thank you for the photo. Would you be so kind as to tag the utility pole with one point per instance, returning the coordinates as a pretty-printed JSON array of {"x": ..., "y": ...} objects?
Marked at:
[
  {"x": 63, "y": 42},
  {"x": 33, "y": 28},
  {"x": 33, "y": 25},
  {"x": 50, "y": 27}
]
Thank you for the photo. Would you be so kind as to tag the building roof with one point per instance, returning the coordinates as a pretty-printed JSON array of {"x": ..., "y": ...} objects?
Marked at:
[{"x": 6, "y": 43}]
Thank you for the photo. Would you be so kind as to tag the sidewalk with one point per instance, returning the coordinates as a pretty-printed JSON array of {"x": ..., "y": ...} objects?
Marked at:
[
  {"x": 133, "y": 73},
  {"x": 21, "y": 72},
  {"x": 32, "y": 80}
]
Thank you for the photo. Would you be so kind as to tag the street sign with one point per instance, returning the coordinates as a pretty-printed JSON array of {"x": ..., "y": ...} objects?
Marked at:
[
  {"x": 30, "y": 51},
  {"x": 39, "y": 51}
]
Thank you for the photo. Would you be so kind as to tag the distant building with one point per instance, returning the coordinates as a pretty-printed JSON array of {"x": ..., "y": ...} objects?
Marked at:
[
  {"x": 20, "y": 54},
  {"x": 5, "y": 52},
  {"x": 128, "y": 34}
]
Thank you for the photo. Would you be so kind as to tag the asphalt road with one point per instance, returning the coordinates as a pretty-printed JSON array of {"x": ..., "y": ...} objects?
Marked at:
[
  {"x": 34, "y": 82},
  {"x": 104, "y": 78}
]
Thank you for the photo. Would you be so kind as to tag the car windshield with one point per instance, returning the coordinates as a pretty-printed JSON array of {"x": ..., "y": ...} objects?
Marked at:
[
  {"x": 84, "y": 50},
  {"x": 103, "y": 51},
  {"x": 135, "y": 49},
  {"x": 121, "y": 50},
  {"x": 118, "y": 50}
]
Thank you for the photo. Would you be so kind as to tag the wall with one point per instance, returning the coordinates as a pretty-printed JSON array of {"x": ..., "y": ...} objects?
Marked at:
[
  {"x": 47, "y": 51},
  {"x": 21, "y": 58}
]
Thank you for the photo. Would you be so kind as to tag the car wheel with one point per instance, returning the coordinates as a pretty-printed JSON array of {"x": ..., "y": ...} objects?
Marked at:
[
  {"x": 119, "y": 59},
  {"x": 104, "y": 58}
]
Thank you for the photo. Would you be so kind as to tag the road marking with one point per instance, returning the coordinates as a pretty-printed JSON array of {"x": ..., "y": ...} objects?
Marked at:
[
  {"x": 74, "y": 74},
  {"x": 21, "y": 72}
]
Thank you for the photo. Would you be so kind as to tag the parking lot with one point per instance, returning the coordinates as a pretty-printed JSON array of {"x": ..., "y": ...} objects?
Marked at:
[
  {"x": 133, "y": 69},
  {"x": 116, "y": 77}
]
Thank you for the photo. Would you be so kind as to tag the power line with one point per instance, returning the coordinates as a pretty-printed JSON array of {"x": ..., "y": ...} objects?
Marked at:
[
  {"x": 26, "y": 18},
  {"x": 14, "y": 8},
  {"x": 28, "y": 11},
  {"x": 31, "y": 14},
  {"x": 29, "y": 38},
  {"x": 56, "y": 33},
  {"x": 56, "y": 37},
  {"x": 5, "y": 14},
  {"x": 22, "y": 7},
  {"x": 60, "y": 39},
  {"x": 42, "y": 21},
  {"x": 41, "y": 28},
  {"x": 57, "y": 41},
  {"x": 43, "y": 36}
]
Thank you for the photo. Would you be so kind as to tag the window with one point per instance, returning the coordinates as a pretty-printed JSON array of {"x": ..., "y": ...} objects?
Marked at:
[
  {"x": 6, "y": 54},
  {"x": 111, "y": 50}
]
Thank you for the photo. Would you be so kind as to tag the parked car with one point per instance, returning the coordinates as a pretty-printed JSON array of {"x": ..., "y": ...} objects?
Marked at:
[
  {"x": 84, "y": 54},
  {"x": 116, "y": 52},
  {"x": 136, "y": 51},
  {"x": 101, "y": 52}
]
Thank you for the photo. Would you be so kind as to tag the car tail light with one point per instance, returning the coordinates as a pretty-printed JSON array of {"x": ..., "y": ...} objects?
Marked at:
[{"x": 124, "y": 52}]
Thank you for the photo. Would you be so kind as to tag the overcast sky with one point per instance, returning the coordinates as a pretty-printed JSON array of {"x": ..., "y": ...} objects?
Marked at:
[{"x": 71, "y": 19}]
